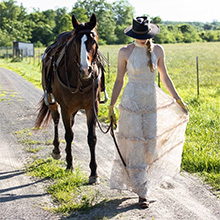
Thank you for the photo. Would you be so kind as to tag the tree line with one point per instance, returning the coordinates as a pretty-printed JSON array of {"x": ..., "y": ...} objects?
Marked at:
[{"x": 42, "y": 27}]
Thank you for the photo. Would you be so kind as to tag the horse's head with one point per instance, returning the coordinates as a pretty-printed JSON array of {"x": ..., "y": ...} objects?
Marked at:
[{"x": 86, "y": 46}]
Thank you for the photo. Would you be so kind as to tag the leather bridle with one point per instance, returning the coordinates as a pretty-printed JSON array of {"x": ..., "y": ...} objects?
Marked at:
[
  {"x": 79, "y": 87},
  {"x": 93, "y": 33}
]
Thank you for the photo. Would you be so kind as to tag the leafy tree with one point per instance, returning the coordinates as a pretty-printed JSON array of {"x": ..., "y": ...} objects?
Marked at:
[
  {"x": 189, "y": 33},
  {"x": 50, "y": 17},
  {"x": 42, "y": 33},
  {"x": 80, "y": 14},
  {"x": 207, "y": 27},
  {"x": 123, "y": 13},
  {"x": 18, "y": 31},
  {"x": 59, "y": 20},
  {"x": 105, "y": 17},
  {"x": 40, "y": 29},
  {"x": 65, "y": 24},
  {"x": 165, "y": 36},
  {"x": 13, "y": 22},
  {"x": 8, "y": 12},
  {"x": 5, "y": 39},
  {"x": 210, "y": 35},
  {"x": 156, "y": 20},
  {"x": 106, "y": 28},
  {"x": 93, "y": 6},
  {"x": 185, "y": 28},
  {"x": 176, "y": 34}
]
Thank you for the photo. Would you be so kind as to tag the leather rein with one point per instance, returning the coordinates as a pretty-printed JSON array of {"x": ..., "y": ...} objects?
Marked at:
[{"x": 110, "y": 127}]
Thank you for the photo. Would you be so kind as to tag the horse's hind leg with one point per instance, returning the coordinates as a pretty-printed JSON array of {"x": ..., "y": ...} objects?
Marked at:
[
  {"x": 56, "y": 153},
  {"x": 91, "y": 123}
]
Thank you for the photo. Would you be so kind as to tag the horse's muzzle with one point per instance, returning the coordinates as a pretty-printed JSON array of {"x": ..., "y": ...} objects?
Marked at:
[{"x": 85, "y": 73}]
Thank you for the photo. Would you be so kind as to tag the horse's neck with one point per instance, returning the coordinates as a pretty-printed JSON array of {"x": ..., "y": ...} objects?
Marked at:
[{"x": 72, "y": 73}]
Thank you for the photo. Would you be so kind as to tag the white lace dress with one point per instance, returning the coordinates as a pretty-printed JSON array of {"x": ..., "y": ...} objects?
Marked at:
[{"x": 151, "y": 130}]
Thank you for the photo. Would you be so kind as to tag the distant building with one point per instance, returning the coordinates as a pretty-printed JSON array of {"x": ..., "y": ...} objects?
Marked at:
[{"x": 24, "y": 49}]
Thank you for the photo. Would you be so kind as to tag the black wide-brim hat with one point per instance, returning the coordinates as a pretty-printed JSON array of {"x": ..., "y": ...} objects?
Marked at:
[{"x": 142, "y": 29}]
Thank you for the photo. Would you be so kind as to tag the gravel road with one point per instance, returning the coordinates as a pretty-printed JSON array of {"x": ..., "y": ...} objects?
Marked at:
[{"x": 24, "y": 198}]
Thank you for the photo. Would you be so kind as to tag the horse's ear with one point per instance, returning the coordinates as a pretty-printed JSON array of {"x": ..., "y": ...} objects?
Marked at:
[
  {"x": 75, "y": 23},
  {"x": 93, "y": 21}
]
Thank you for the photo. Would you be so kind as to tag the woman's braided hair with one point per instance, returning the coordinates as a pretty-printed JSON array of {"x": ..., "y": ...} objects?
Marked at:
[{"x": 149, "y": 51}]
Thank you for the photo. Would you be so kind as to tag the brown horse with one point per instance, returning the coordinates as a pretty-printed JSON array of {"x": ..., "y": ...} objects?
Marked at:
[{"x": 71, "y": 79}]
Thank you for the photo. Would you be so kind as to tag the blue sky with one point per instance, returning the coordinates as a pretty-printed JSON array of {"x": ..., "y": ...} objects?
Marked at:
[{"x": 172, "y": 10}]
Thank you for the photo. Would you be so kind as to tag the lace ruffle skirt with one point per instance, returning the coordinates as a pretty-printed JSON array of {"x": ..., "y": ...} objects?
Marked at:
[{"x": 151, "y": 136}]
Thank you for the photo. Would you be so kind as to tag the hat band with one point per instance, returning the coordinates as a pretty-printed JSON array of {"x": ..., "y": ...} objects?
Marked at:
[{"x": 141, "y": 32}]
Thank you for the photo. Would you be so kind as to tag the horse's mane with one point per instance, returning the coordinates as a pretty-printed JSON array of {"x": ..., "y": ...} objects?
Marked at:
[{"x": 102, "y": 61}]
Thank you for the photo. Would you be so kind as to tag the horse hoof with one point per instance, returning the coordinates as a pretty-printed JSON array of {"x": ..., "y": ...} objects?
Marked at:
[
  {"x": 56, "y": 156},
  {"x": 94, "y": 180},
  {"x": 69, "y": 170}
]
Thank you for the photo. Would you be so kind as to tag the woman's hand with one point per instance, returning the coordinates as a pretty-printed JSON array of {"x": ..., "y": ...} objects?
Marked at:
[
  {"x": 111, "y": 115},
  {"x": 183, "y": 105}
]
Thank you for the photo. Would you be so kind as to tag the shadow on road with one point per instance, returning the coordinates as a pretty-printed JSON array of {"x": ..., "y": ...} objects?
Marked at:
[{"x": 7, "y": 194}]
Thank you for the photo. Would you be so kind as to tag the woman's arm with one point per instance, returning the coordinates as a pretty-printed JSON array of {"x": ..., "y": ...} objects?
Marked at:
[
  {"x": 165, "y": 78},
  {"x": 120, "y": 76},
  {"x": 122, "y": 61}
]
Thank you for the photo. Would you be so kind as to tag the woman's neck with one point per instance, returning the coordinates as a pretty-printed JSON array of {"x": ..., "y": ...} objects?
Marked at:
[{"x": 139, "y": 45}]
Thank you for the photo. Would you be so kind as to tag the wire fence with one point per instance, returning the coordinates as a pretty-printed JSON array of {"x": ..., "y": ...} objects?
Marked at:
[
  {"x": 20, "y": 55},
  {"x": 189, "y": 72},
  {"x": 6, "y": 52},
  {"x": 197, "y": 77}
]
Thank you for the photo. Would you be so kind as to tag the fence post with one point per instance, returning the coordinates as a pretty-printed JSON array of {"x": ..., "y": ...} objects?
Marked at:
[
  {"x": 7, "y": 53},
  {"x": 197, "y": 71},
  {"x": 21, "y": 54},
  {"x": 108, "y": 65}
]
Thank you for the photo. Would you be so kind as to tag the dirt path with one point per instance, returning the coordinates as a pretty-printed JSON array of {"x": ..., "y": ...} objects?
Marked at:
[{"x": 21, "y": 197}]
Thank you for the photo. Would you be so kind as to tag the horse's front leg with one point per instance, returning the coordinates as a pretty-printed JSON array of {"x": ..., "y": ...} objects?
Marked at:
[
  {"x": 67, "y": 121},
  {"x": 91, "y": 123}
]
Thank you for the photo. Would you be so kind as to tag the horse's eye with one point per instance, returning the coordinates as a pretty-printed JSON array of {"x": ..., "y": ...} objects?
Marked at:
[{"x": 92, "y": 35}]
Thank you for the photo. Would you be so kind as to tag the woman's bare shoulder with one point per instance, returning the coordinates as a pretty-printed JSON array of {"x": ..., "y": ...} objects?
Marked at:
[
  {"x": 158, "y": 50},
  {"x": 126, "y": 51}
]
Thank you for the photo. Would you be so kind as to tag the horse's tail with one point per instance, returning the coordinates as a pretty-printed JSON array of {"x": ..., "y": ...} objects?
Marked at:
[{"x": 44, "y": 115}]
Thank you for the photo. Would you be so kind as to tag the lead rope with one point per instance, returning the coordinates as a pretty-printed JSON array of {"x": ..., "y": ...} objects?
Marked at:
[
  {"x": 110, "y": 127},
  {"x": 116, "y": 144},
  {"x": 95, "y": 111}
]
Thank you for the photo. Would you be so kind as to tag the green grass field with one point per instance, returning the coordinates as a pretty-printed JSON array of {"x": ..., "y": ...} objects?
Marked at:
[{"x": 201, "y": 153}]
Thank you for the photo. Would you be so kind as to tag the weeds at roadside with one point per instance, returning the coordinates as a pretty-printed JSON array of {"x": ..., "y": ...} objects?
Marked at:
[
  {"x": 70, "y": 190},
  {"x": 7, "y": 95},
  {"x": 30, "y": 145}
]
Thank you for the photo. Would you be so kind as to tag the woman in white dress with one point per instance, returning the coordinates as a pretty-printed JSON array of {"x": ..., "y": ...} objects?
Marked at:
[{"x": 151, "y": 123}]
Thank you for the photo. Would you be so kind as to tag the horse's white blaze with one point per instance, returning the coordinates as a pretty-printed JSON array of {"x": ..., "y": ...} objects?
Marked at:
[{"x": 83, "y": 54}]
